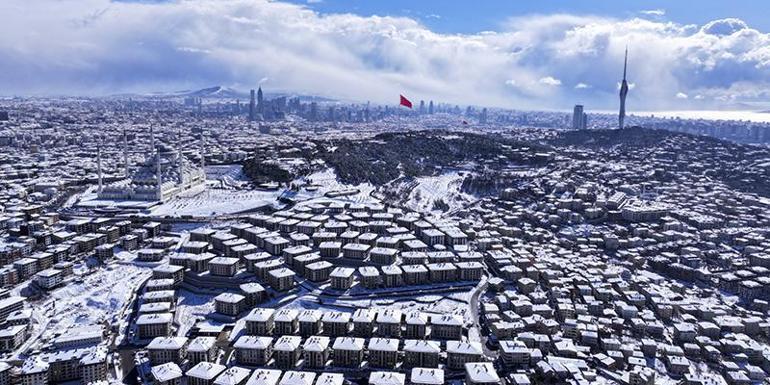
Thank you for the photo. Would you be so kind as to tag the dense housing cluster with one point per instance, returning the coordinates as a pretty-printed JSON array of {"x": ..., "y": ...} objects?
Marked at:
[{"x": 176, "y": 242}]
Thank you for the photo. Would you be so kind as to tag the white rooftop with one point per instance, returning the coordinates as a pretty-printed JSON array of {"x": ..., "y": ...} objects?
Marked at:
[
  {"x": 205, "y": 370},
  {"x": 387, "y": 378},
  {"x": 297, "y": 378},
  {"x": 166, "y": 372},
  {"x": 481, "y": 372},
  {"x": 428, "y": 376}
]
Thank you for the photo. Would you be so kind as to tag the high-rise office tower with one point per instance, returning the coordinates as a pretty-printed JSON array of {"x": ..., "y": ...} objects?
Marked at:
[
  {"x": 578, "y": 118},
  {"x": 260, "y": 102},
  {"x": 422, "y": 107},
  {"x": 483, "y": 116},
  {"x": 623, "y": 93},
  {"x": 313, "y": 111},
  {"x": 430, "y": 107},
  {"x": 252, "y": 108}
]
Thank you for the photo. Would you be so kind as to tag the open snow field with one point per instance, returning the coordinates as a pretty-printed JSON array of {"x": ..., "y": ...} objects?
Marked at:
[
  {"x": 216, "y": 201},
  {"x": 191, "y": 308},
  {"x": 445, "y": 187},
  {"x": 101, "y": 297},
  {"x": 326, "y": 180},
  {"x": 226, "y": 176}
]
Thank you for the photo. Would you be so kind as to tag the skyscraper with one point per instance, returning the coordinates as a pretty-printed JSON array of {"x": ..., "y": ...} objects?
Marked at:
[
  {"x": 313, "y": 111},
  {"x": 260, "y": 102},
  {"x": 252, "y": 110},
  {"x": 430, "y": 107},
  {"x": 579, "y": 118},
  {"x": 422, "y": 107},
  {"x": 623, "y": 93}
]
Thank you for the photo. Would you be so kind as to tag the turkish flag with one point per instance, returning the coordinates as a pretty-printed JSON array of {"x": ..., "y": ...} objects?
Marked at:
[{"x": 405, "y": 102}]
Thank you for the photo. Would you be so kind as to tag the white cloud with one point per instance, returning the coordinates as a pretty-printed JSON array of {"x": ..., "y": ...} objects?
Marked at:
[
  {"x": 582, "y": 86},
  {"x": 99, "y": 46},
  {"x": 681, "y": 95},
  {"x": 654, "y": 12},
  {"x": 550, "y": 81},
  {"x": 724, "y": 27}
]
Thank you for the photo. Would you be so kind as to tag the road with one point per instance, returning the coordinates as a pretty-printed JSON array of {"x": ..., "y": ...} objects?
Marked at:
[{"x": 476, "y": 329}]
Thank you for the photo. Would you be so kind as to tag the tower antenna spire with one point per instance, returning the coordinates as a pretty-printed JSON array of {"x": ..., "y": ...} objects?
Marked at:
[
  {"x": 625, "y": 63},
  {"x": 623, "y": 93}
]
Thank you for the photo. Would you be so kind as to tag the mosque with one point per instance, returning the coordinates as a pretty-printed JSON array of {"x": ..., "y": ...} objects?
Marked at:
[{"x": 164, "y": 174}]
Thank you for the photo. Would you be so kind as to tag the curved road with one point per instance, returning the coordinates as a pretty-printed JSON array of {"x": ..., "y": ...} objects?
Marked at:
[{"x": 474, "y": 308}]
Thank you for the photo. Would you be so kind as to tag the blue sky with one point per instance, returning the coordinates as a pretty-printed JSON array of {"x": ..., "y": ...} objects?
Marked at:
[
  {"x": 475, "y": 16},
  {"x": 514, "y": 54}
]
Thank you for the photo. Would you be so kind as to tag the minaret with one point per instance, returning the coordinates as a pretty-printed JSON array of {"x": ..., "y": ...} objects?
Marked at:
[
  {"x": 179, "y": 168},
  {"x": 152, "y": 139},
  {"x": 99, "y": 165},
  {"x": 203, "y": 153},
  {"x": 623, "y": 93},
  {"x": 159, "y": 178},
  {"x": 179, "y": 178},
  {"x": 158, "y": 175},
  {"x": 125, "y": 151}
]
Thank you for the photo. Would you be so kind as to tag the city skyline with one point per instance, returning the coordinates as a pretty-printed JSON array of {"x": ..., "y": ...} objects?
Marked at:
[{"x": 550, "y": 59}]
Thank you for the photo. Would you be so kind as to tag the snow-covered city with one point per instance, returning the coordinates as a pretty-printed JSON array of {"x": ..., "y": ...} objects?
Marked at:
[{"x": 250, "y": 235}]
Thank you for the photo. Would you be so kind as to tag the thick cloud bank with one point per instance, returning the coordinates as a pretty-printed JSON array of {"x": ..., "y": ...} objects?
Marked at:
[{"x": 537, "y": 61}]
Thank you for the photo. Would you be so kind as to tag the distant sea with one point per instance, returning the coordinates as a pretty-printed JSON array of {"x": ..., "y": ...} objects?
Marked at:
[{"x": 753, "y": 116}]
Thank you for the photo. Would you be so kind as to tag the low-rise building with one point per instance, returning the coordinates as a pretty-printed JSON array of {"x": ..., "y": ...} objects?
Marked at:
[
  {"x": 204, "y": 373},
  {"x": 383, "y": 352},
  {"x": 421, "y": 353},
  {"x": 167, "y": 374},
  {"x": 253, "y": 350},
  {"x": 260, "y": 321},
  {"x": 316, "y": 351},
  {"x": 348, "y": 351},
  {"x": 460, "y": 353},
  {"x": 287, "y": 351},
  {"x": 481, "y": 373},
  {"x": 336, "y": 324},
  {"x": 167, "y": 349},
  {"x": 426, "y": 376},
  {"x": 202, "y": 349},
  {"x": 154, "y": 325},
  {"x": 387, "y": 378}
]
